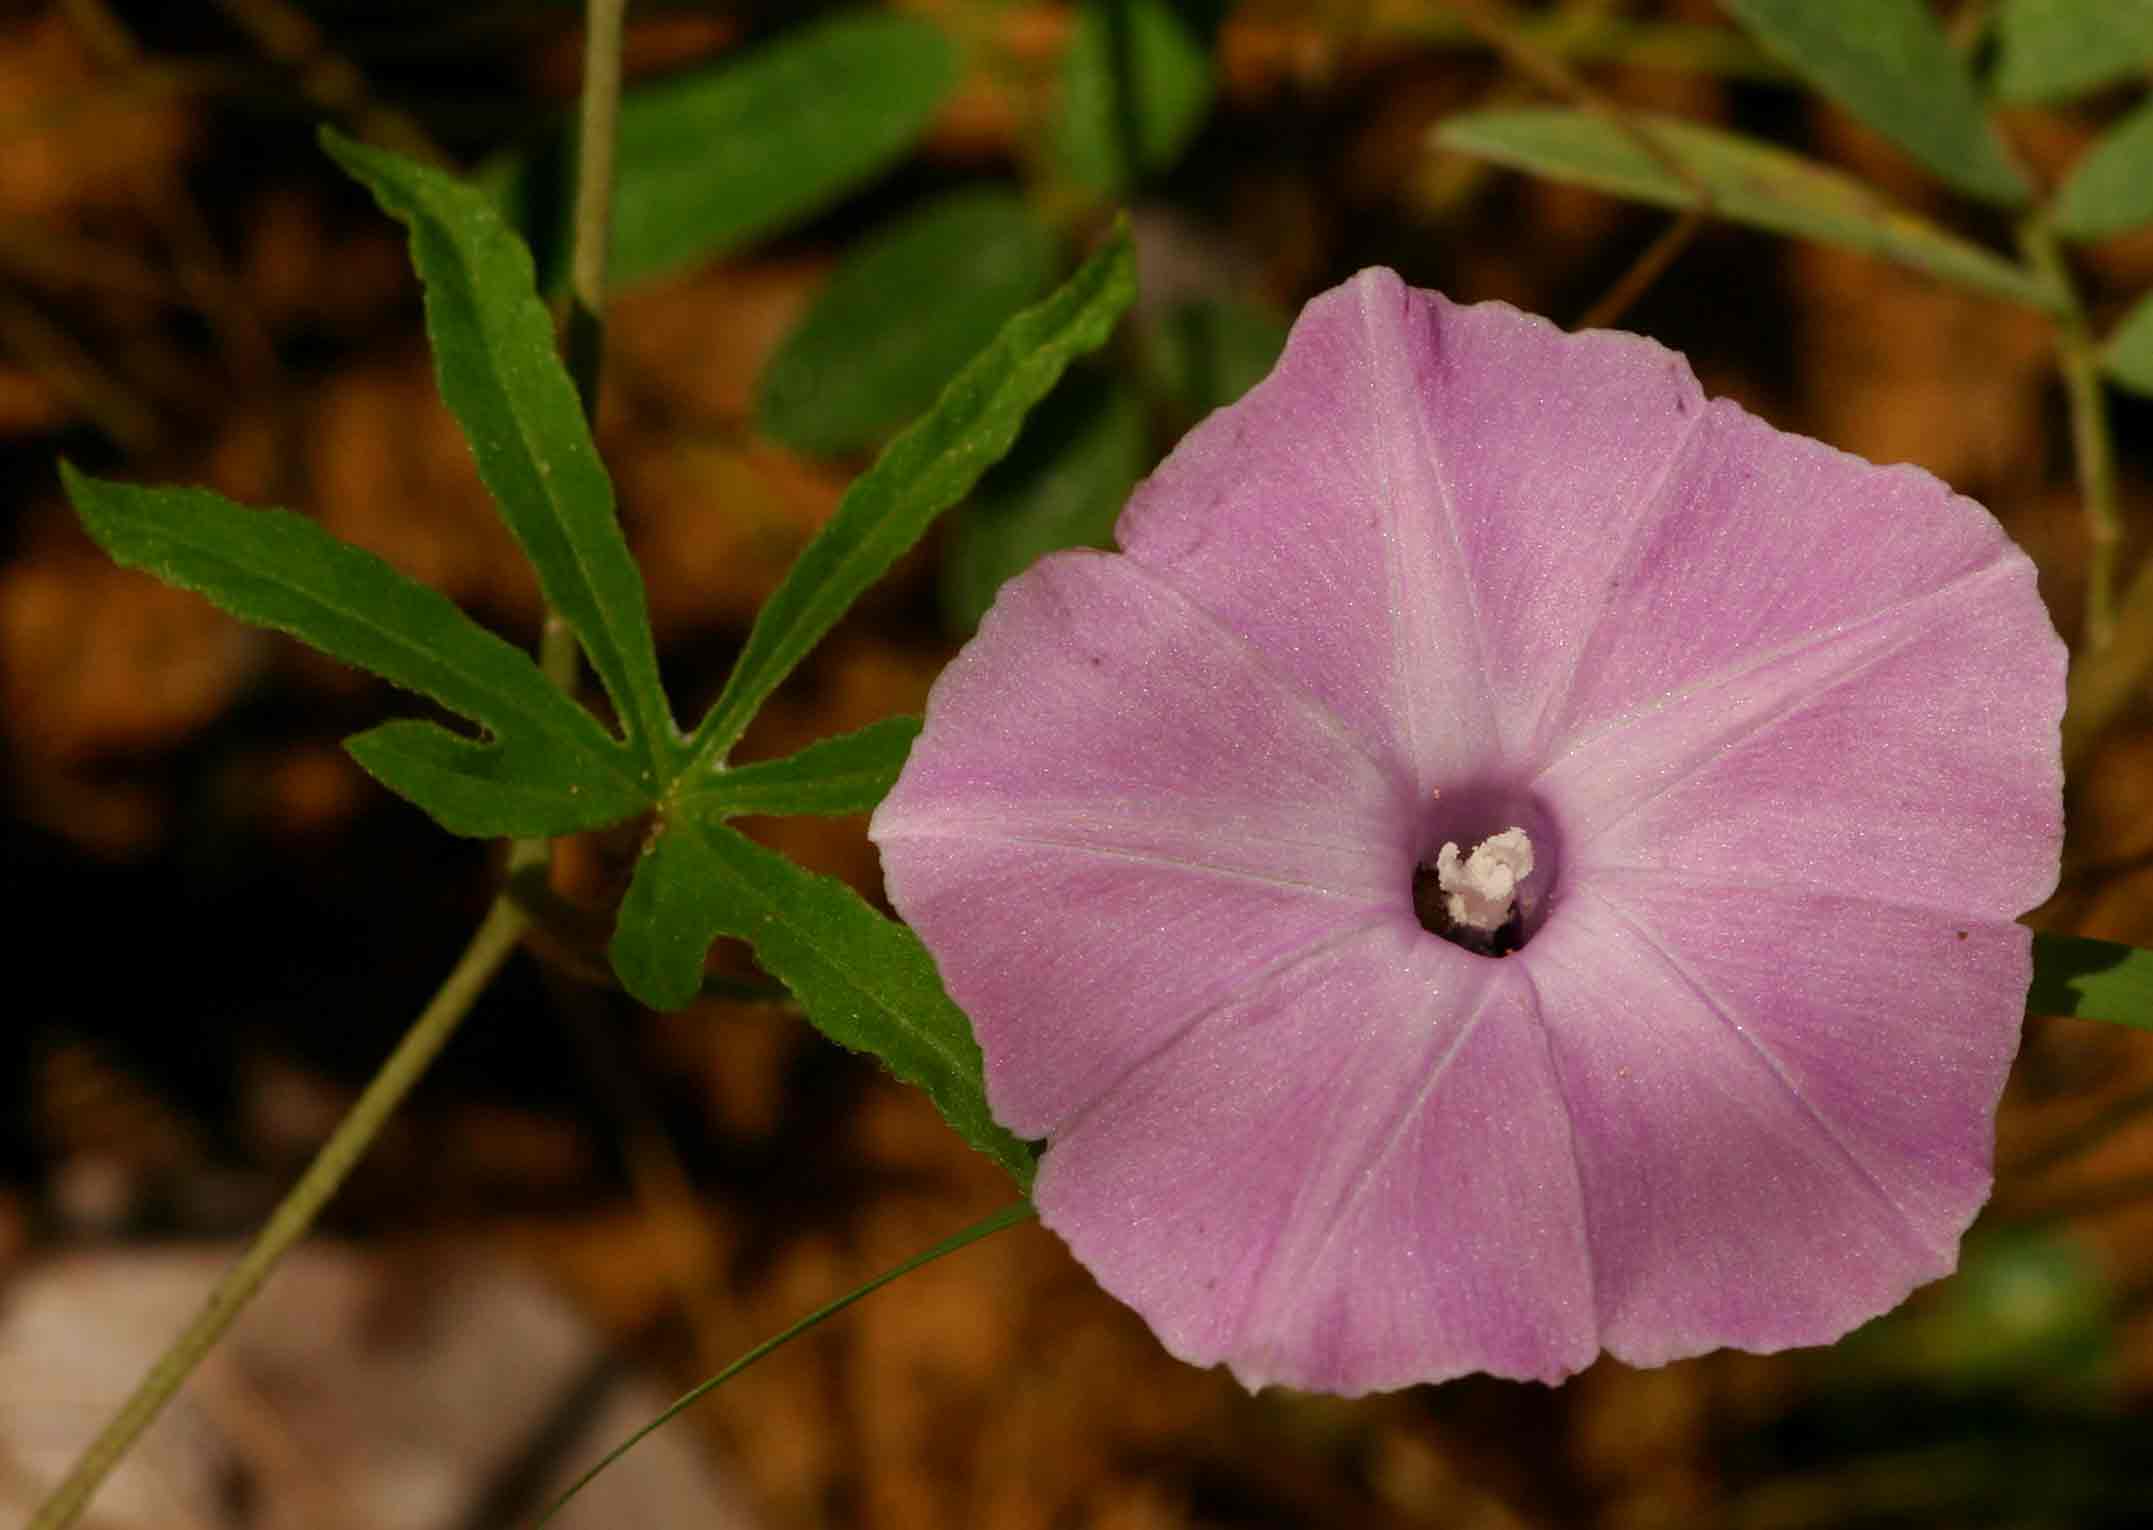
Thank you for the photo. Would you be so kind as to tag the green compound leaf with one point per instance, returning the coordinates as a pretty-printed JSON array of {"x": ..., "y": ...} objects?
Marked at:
[
  {"x": 1063, "y": 486},
  {"x": 2091, "y": 980},
  {"x": 1747, "y": 182},
  {"x": 923, "y": 472},
  {"x": 865, "y": 981},
  {"x": 1136, "y": 85},
  {"x": 2128, "y": 356},
  {"x": 715, "y": 160},
  {"x": 2050, "y": 50},
  {"x": 548, "y": 767},
  {"x": 899, "y": 318},
  {"x": 847, "y": 774},
  {"x": 2111, "y": 189},
  {"x": 502, "y": 378},
  {"x": 1889, "y": 63}
]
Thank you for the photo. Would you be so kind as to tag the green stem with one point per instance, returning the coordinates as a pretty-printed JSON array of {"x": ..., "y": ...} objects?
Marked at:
[
  {"x": 1008, "y": 1216},
  {"x": 490, "y": 946},
  {"x": 1501, "y": 28},
  {"x": 2105, "y": 680},
  {"x": 1649, "y": 266},
  {"x": 593, "y": 234},
  {"x": 2091, "y": 445},
  {"x": 496, "y": 937},
  {"x": 2095, "y": 454},
  {"x": 583, "y": 340},
  {"x": 2108, "y": 669}
]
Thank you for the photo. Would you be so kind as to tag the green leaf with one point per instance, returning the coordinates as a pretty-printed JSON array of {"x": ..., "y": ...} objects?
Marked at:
[
  {"x": 1136, "y": 85},
  {"x": 502, "y": 378},
  {"x": 2111, "y": 189},
  {"x": 2128, "y": 356},
  {"x": 1747, "y": 182},
  {"x": 548, "y": 767},
  {"x": 1889, "y": 63},
  {"x": 2091, "y": 980},
  {"x": 847, "y": 774},
  {"x": 898, "y": 319},
  {"x": 1063, "y": 486},
  {"x": 1206, "y": 352},
  {"x": 2029, "y": 1310},
  {"x": 713, "y": 161},
  {"x": 865, "y": 981},
  {"x": 517, "y": 785},
  {"x": 2049, "y": 50},
  {"x": 923, "y": 472}
]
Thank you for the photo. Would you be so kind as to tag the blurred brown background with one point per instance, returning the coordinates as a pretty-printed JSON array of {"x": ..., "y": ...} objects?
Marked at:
[{"x": 218, "y": 925}]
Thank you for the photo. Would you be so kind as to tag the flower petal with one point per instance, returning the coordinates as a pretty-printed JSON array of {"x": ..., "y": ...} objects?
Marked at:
[
  {"x": 1783, "y": 725},
  {"x": 1106, "y": 758},
  {"x": 1910, "y": 757},
  {"x": 1032, "y": 942},
  {"x": 1356, "y": 1175},
  {"x": 1099, "y": 697},
  {"x": 1553, "y": 452},
  {"x": 1309, "y": 519},
  {"x": 1768, "y": 1163},
  {"x": 1760, "y": 543}
]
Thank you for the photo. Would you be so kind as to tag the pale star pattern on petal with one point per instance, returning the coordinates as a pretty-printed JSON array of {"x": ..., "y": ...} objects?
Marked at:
[{"x": 1775, "y": 731}]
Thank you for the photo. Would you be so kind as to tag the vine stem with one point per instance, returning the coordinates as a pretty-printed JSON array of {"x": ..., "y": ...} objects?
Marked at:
[
  {"x": 1495, "y": 25},
  {"x": 2117, "y": 642},
  {"x": 498, "y": 934},
  {"x": 583, "y": 335},
  {"x": 2105, "y": 680},
  {"x": 593, "y": 237},
  {"x": 1649, "y": 266},
  {"x": 1498, "y": 27},
  {"x": 2078, "y": 357},
  {"x": 491, "y": 946}
]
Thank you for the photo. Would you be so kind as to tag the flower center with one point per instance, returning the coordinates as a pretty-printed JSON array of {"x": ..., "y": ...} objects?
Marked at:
[{"x": 1477, "y": 900}]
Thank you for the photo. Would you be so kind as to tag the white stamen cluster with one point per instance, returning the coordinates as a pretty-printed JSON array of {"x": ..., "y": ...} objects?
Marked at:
[{"x": 1481, "y": 889}]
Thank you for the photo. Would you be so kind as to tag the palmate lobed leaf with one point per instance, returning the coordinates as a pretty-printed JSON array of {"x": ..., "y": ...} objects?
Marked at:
[
  {"x": 1889, "y": 63},
  {"x": 1747, "y": 182},
  {"x": 850, "y": 773},
  {"x": 502, "y": 377},
  {"x": 548, "y": 767},
  {"x": 922, "y": 473},
  {"x": 864, "y": 980}
]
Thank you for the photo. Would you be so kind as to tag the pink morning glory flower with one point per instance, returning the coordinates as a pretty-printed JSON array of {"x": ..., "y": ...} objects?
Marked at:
[{"x": 1511, "y": 860}]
